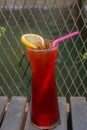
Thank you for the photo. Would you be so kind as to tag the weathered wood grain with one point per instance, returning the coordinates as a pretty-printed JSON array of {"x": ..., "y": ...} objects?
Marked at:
[
  {"x": 79, "y": 113},
  {"x": 14, "y": 117},
  {"x": 63, "y": 114}
]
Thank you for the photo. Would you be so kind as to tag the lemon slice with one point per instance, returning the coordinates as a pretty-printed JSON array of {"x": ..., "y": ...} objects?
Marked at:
[{"x": 32, "y": 40}]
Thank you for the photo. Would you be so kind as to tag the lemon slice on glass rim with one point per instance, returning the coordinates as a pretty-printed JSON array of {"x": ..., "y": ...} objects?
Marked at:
[{"x": 32, "y": 40}]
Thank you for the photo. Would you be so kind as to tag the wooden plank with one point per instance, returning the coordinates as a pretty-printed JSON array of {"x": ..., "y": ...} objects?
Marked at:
[
  {"x": 3, "y": 101},
  {"x": 79, "y": 113},
  {"x": 63, "y": 114},
  {"x": 14, "y": 117},
  {"x": 63, "y": 117}
]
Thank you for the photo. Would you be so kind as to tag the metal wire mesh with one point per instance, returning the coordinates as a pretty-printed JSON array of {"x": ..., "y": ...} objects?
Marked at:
[{"x": 51, "y": 19}]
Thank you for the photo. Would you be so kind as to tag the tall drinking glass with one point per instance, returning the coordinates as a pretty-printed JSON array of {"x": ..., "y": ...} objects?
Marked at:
[{"x": 44, "y": 106}]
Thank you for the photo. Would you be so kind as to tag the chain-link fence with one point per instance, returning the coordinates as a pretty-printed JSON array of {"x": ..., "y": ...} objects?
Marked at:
[{"x": 51, "y": 19}]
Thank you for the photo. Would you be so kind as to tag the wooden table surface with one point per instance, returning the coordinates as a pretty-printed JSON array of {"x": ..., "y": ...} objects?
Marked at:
[{"x": 15, "y": 115}]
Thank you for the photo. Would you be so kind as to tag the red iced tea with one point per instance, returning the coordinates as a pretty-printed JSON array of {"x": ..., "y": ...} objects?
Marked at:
[{"x": 44, "y": 106}]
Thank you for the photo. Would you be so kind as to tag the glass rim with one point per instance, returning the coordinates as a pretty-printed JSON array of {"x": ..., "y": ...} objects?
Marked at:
[{"x": 42, "y": 50}]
